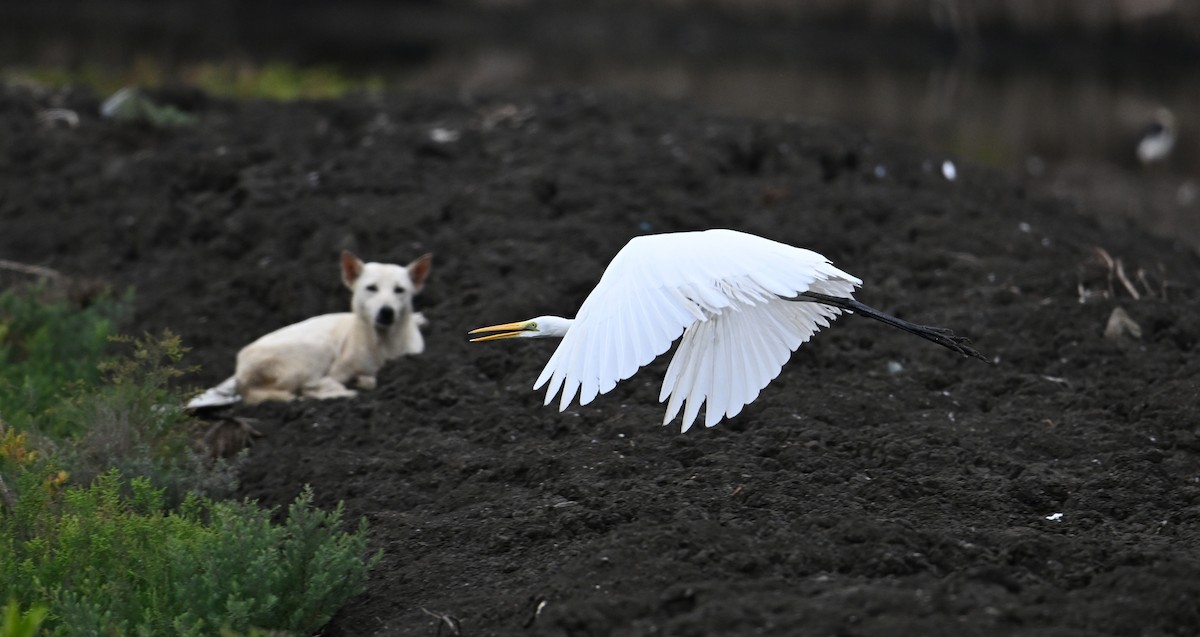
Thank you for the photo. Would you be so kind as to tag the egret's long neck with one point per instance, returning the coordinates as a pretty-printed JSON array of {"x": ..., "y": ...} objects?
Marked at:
[{"x": 553, "y": 326}]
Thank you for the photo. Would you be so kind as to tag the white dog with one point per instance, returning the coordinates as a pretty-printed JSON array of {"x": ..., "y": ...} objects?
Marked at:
[{"x": 318, "y": 357}]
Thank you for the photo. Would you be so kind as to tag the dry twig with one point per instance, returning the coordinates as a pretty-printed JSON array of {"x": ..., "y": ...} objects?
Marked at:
[
  {"x": 6, "y": 497},
  {"x": 451, "y": 623},
  {"x": 1125, "y": 281},
  {"x": 33, "y": 270}
]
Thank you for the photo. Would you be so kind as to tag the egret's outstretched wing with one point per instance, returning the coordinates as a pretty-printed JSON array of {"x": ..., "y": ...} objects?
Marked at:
[{"x": 725, "y": 286}]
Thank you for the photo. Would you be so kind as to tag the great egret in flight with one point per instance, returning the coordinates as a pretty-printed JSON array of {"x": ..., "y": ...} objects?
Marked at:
[
  {"x": 1158, "y": 139},
  {"x": 742, "y": 303}
]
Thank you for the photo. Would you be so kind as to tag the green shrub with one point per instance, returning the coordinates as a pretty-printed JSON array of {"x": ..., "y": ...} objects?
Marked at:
[
  {"x": 110, "y": 563},
  {"x": 142, "y": 549},
  {"x": 135, "y": 423},
  {"x": 18, "y": 624},
  {"x": 49, "y": 348},
  {"x": 99, "y": 401}
]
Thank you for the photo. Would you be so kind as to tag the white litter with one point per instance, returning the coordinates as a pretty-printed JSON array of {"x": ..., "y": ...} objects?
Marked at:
[
  {"x": 949, "y": 171},
  {"x": 444, "y": 135}
]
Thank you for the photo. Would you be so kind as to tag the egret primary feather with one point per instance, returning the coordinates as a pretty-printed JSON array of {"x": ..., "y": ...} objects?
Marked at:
[{"x": 742, "y": 304}]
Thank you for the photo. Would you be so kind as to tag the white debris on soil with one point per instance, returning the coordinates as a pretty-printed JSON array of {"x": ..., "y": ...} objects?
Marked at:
[
  {"x": 1120, "y": 325},
  {"x": 949, "y": 171},
  {"x": 444, "y": 135}
]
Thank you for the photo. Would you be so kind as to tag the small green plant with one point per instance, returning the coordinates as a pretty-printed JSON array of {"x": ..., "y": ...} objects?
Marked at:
[
  {"x": 61, "y": 383},
  {"x": 134, "y": 422},
  {"x": 106, "y": 512},
  {"x": 111, "y": 563},
  {"x": 131, "y": 105},
  {"x": 18, "y": 624},
  {"x": 48, "y": 349},
  {"x": 225, "y": 78},
  {"x": 280, "y": 81}
]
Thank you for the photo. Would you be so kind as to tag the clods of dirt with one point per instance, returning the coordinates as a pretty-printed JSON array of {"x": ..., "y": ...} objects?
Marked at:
[{"x": 880, "y": 485}]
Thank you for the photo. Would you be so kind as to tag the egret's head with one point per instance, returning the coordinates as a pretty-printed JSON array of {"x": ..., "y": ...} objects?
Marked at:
[{"x": 540, "y": 327}]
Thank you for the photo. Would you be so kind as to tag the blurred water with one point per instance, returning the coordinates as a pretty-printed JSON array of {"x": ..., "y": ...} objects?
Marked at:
[
  {"x": 1071, "y": 132},
  {"x": 1066, "y": 114},
  {"x": 1001, "y": 119}
]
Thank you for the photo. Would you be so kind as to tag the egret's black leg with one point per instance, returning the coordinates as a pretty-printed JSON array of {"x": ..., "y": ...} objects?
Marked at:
[{"x": 939, "y": 335}]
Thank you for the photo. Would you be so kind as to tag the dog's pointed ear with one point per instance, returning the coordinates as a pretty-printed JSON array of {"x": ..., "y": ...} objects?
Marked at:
[
  {"x": 352, "y": 266},
  {"x": 419, "y": 269}
]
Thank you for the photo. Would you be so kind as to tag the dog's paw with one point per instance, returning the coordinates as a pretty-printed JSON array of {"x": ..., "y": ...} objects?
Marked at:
[
  {"x": 419, "y": 319},
  {"x": 327, "y": 388},
  {"x": 365, "y": 382},
  {"x": 330, "y": 395}
]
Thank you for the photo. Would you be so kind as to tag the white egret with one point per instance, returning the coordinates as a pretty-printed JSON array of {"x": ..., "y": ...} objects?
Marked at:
[
  {"x": 1158, "y": 140},
  {"x": 742, "y": 303}
]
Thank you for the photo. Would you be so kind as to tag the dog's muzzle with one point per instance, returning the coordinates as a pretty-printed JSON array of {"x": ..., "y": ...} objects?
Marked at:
[{"x": 385, "y": 317}]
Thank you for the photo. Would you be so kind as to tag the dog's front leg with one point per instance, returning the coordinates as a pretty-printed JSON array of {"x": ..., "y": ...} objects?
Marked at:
[
  {"x": 365, "y": 382},
  {"x": 414, "y": 341}
]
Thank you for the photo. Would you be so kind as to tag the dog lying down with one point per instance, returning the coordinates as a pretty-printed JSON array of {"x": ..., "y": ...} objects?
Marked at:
[{"x": 318, "y": 357}]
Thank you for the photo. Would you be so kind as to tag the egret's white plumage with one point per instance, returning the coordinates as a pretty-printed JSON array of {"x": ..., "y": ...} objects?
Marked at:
[
  {"x": 737, "y": 300},
  {"x": 1158, "y": 140},
  {"x": 719, "y": 289}
]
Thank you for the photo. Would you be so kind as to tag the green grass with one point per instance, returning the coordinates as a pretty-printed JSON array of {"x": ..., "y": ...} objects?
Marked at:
[
  {"x": 111, "y": 563},
  {"x": 48, "y": 350},
  {"x": 133, "y": 421},
  {"x": 100, "y": 401},
  {"x": 229, "y": 78},
  {"x": 21, "y": 624}
]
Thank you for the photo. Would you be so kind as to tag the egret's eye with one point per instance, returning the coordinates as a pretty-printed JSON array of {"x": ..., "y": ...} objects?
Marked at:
[
  {"x": 372, "y": 288},
  {"x": 399, "y": 290}
]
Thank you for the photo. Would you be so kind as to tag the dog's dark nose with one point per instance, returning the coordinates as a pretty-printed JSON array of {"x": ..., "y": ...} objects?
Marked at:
[{"x": 386, "y": 316}]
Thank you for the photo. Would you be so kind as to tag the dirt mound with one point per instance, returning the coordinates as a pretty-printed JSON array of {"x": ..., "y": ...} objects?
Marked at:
[{"x": 880, "y": 485}]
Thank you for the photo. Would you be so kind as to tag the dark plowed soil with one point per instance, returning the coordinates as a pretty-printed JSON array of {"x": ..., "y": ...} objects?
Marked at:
[{"x": 880, "y": 486}]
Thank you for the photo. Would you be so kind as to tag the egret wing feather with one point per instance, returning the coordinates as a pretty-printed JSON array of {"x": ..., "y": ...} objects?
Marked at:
[
  {"x": 702, "y": 338},
  {"x": 743, "y": 369},
  {"x": 590, "y": 382},
  {"x": 679, "y": 374},
  {"x": 717, "y": 387}
]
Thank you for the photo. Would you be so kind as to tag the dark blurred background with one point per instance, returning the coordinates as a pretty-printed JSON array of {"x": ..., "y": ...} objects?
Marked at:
[{"x": 1059, "y": 91}]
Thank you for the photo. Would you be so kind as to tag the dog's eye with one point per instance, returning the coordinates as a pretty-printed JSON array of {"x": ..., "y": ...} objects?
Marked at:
[
  {"x": 372, "y": 288},
  {"x": 399, "y": 290}
]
